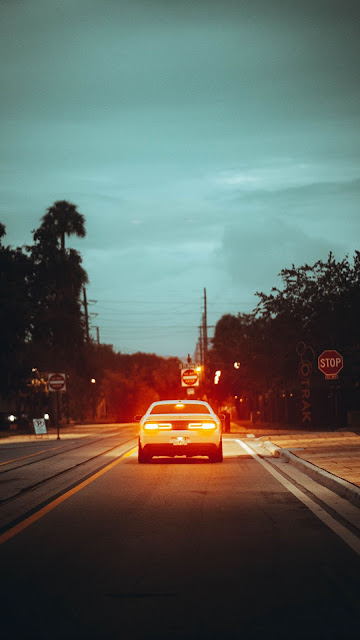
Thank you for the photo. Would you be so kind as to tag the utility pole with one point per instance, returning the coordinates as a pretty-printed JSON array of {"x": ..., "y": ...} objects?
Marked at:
[
  {"x": 205, "y": 336},
  {"x": 97, "y": 335},
  {"x": 86, "y": 315}
]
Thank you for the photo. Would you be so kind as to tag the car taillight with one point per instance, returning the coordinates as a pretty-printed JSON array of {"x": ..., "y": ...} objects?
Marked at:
[
  {"x": 206, "y": 426},
  {"x": 151, "y": 427},
  {"x": 154, "y": 426}
]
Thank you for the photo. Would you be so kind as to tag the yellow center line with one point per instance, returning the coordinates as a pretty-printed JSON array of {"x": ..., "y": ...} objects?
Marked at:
[{"x": 49, "y": 507}]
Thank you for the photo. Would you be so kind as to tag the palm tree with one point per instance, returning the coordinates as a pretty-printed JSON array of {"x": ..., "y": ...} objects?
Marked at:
[
  {"x": 57, "y": 281},
  {"x": 63, "y": 218},
  {"x": 2, "y": 230}
]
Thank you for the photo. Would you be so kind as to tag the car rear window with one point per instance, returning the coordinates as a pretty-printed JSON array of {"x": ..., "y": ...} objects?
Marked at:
[{"x": 179, "y": 408}]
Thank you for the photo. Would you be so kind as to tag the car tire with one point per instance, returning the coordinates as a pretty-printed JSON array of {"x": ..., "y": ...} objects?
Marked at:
[
  {"x": 218, "y": 456},
  {"x": 142, "y": 456}
]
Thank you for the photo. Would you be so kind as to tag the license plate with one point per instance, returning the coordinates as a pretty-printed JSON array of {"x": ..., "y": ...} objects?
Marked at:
[{"x": 179, "y": 441}]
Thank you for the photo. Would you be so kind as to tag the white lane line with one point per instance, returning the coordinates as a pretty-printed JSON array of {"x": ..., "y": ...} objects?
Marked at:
[{"x": 347, "y": 536}]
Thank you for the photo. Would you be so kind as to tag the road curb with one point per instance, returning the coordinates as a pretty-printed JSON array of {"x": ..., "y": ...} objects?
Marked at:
[{"x": 342, "y": 487}]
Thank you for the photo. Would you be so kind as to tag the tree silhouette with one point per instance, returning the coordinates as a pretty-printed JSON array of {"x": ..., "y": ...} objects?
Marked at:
[
  {"x": 56, "y": 285},
  {"x": 61, "y": 219},
  {"x": 317, "y": 305},
  {"x": 15, "y": 317},
  {"x": 320, "y": 302}
]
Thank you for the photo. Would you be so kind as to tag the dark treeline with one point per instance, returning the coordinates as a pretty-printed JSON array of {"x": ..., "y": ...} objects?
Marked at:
[
  {"x": 43, "y": 330},
  {"x": 317, "y": 308}
]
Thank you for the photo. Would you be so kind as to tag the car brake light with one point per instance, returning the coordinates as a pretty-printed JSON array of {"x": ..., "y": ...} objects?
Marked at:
[
  {"x": 153, "y": 426},
  {"x": 208, "y": 425},
  {"x": 202, "y": 425}
]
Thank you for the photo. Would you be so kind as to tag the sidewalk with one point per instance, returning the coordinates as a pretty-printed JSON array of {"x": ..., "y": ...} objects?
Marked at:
[{"x": 330, "y": 457}]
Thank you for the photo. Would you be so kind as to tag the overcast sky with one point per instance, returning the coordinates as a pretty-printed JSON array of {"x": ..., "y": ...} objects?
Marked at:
[{"x": 209, "y": 144}]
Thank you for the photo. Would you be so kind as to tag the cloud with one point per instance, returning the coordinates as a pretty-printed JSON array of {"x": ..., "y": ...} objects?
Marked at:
[
  {"x": 274, "y": 229},
  {"x": 255, "y": 253}
]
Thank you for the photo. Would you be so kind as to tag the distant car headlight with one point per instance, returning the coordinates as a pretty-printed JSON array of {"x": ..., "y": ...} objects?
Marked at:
[{"x": 11, "y": 418}]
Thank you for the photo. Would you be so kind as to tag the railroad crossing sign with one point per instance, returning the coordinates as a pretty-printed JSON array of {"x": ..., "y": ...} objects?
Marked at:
[
  {"x": 189, "y": 378},
  {"x": 57, "y": 381},
  {"x": 330, "y": 362}
]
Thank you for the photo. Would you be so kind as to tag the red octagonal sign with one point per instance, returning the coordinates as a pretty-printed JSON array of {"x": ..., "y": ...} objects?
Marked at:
[
  {"x": 189, "y": 378},
  {"x": 57, "y": 381},
  {"x": 330, "y": 362}
]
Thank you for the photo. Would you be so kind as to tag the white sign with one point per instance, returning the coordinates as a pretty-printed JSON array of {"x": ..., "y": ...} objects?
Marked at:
[
  {"x": 39, "y": 426},
  {"x": 57, "y": 381}
]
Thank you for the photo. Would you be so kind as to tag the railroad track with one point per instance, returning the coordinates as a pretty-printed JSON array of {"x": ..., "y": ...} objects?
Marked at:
[{"x": 27, "y": 485}]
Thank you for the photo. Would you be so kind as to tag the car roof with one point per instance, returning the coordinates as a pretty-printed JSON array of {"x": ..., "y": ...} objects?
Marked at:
[
  {"x": 188, "y": 404},
  {"x": 178, "y": 401}
]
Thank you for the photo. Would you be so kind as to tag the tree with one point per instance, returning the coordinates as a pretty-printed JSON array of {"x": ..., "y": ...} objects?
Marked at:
[
  {"x": 130, "y": 382},
  {"x": 243, "y": 339},
  {"x": 61, "y": 219},
  {"x": 15, "y": 315},
  {"x": 318, "y": 303},
  {"x": 318, "y": 307},
  {"x": 40, "y": 306},
  {"x": 55, "y": 287}
]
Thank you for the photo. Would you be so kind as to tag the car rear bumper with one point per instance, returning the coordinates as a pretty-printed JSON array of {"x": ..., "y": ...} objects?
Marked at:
[{"x": 191, "y": 449}]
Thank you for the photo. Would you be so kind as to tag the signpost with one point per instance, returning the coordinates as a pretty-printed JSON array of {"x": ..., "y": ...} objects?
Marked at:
[
  {"x": 330, "y": 362},
  {"x": 57, "y": 382},
  {"x": 189, "y": 378}
]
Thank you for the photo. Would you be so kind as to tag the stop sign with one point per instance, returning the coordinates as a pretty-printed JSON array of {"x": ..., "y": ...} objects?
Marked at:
[
  {"x": 330, "y": 362},
  {"x": 189, "y": 378}
]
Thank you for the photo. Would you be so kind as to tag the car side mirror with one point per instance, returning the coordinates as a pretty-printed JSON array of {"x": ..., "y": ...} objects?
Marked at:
[{"x": 137, "y": 418}]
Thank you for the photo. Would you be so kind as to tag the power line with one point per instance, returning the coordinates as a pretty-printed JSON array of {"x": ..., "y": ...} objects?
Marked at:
[
  {"x": 172, "y": 302},
  {"x": 153, "y": 301}
]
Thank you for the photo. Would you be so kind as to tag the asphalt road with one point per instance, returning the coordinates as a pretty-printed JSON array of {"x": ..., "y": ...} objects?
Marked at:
[{"x": 179, "y": 549}]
